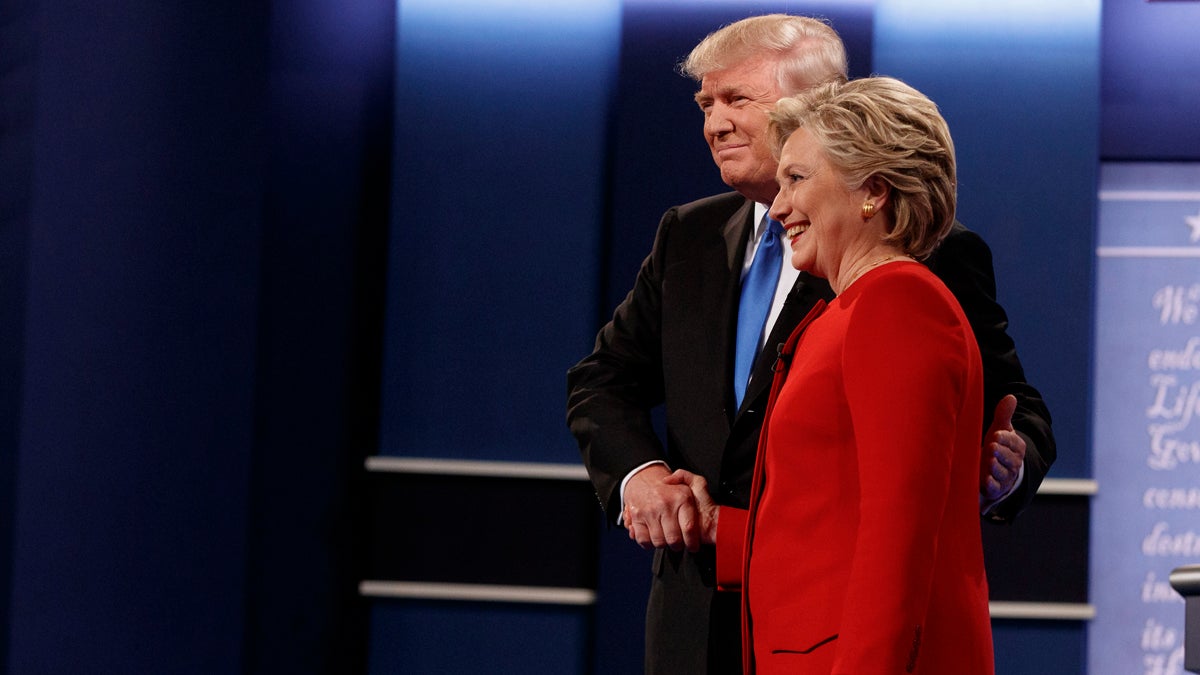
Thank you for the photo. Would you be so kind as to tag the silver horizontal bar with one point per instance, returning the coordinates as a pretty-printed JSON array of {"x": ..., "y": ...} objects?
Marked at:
[
  {"x": 1042, "y": 610},
  {"x": 1148, "y": 252},
  {"x": 420, "y": 590},
  {"x": 1149, "y": 196},
  {"x": 1068, "y": 486},
  {"x": 469, "y": 467}
]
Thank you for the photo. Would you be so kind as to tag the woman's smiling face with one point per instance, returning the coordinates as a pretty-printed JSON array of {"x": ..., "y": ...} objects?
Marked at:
[{"x": 822, "y": 217}]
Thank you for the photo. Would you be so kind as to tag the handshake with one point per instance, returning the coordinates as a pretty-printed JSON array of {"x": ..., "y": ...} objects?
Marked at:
[{"x": 669, "y": 510}]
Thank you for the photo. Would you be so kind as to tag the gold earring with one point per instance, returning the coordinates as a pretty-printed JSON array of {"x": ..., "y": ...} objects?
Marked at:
[{"x": 868, "y": 210}]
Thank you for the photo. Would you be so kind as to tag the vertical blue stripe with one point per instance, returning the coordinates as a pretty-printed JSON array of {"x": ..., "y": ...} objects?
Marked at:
[{"x": 500, "y": 184}]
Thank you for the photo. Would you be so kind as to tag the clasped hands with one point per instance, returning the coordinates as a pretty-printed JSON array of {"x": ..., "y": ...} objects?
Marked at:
[
  {"x": 665, "y": 509},
  {"x": 674, "y": 510}
]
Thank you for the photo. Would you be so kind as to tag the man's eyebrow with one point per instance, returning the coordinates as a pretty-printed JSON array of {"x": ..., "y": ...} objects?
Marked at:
[{"x": 725, "y": 91}]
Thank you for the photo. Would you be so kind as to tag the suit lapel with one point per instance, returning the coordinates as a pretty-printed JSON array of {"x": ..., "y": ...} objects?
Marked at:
[{"x": 736, "y": 233}]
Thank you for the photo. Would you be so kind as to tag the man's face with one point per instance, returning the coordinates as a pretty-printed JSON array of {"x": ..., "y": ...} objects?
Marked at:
[{"x": 735, "y": 102}]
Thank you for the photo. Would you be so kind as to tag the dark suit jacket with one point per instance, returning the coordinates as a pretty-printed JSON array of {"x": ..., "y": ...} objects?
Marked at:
[{"x": 670, "y": 342}]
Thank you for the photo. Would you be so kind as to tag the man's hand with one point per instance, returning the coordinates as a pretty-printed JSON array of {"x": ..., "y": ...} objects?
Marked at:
[
  {"x": 1004, "y": 452},
  {"x": 659, "y": 514},
  {"x": 706, "y": 509}
]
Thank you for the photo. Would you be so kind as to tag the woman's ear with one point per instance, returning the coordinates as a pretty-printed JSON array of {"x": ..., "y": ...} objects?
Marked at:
[
  {"x": 878, "y": 192},
  {"x": 876, "y": 199}
]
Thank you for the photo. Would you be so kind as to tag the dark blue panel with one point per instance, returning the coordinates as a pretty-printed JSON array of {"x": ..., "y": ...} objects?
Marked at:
[
  {"x": 324, "y": 236},
  {"x": 1040, "y": 647},
  {"x": 18, "y": 76},
  {"x": 1151, "y": 80},
  {"x": 468, "y": 637},
  {"x": 138, "y": 390},
  {"x": 492, "y": 267},
  {"x": 559, "y": 511}
]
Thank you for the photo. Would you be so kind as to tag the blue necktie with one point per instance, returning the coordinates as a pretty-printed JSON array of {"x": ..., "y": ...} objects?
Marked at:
[{"x": 758, "y": 292}]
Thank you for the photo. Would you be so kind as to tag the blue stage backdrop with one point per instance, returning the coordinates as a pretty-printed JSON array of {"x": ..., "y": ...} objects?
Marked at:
[
  {"x": 499, "y": 191},
  {"x": 202, "y": 206}
]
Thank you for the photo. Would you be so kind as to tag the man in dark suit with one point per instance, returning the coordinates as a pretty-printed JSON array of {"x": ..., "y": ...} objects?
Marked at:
[{"x": 671, "y": 341}]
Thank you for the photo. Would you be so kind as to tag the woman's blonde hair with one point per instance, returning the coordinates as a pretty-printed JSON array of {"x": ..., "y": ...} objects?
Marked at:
[{"x": 880, "y": 127}]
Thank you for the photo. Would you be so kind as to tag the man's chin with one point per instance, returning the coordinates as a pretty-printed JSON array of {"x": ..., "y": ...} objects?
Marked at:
[
  {"x": 736, "y": 178},
  {"x": 763, "y": 193}
]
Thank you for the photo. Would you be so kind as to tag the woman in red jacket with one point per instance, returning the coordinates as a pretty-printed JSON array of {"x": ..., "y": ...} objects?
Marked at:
[{"x": 860, "y": 552}]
